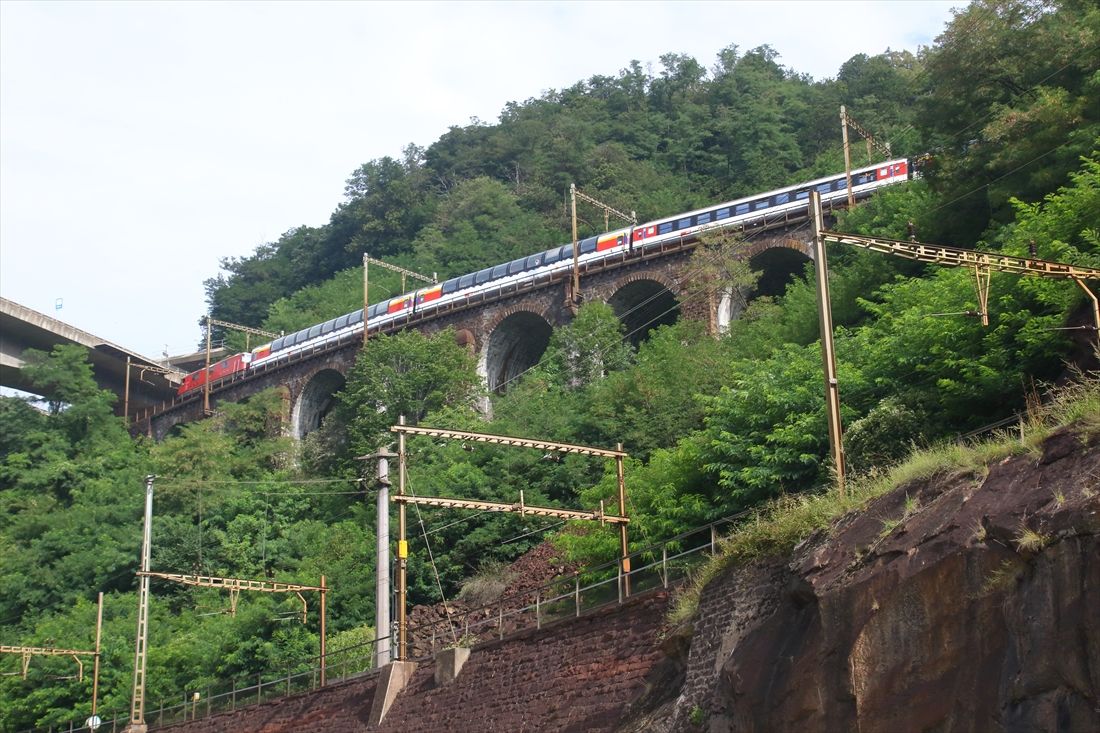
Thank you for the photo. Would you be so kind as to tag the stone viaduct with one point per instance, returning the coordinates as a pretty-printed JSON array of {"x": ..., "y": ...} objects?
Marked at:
[{"x": 509, "y": 330}]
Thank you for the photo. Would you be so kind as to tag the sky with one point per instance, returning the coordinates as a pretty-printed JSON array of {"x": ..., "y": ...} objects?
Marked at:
[{"x": 142, "y": 142}]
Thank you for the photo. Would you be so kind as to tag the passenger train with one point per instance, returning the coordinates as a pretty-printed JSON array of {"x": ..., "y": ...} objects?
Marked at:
[{"x": 742, "y": 212}]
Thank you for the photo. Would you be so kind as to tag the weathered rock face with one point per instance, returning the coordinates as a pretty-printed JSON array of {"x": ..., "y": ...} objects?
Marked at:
[
  {"x": 959, "y": 603},
  {"x": 434, "y": 627}
]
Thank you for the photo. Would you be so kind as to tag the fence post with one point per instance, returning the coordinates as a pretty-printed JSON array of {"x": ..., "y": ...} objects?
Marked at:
[
  {"x": 233, "y": 698},
  {"x": 500, "y": 620},
  {"x": 288, "y": 674},
  {"x": 713, "y": 539},
  {"x": 538, "y": 609},
  {"x": 620, "y": 578},
  {"x": 664, "y": 566},
  {"x": 209, "y": 702},
  {"x": 577, "y": 594},
  {"x": 259, "y": 688}
]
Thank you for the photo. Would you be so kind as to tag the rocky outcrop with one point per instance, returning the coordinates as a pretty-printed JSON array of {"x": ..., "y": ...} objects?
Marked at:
[
  {"x": 965, "y": 602},
  {"x": 442, "y": 624}
]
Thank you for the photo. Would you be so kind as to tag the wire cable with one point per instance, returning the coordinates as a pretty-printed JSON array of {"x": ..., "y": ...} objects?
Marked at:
[{"x": 431, "y": 558}]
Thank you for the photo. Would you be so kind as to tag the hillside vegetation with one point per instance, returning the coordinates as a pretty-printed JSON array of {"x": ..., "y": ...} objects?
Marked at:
[{"x": 1007, "y": 102}]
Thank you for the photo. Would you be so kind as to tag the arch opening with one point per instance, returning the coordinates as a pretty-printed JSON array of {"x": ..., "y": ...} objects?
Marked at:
[
  {"x": 515, "y": 346},
  {"x": 642, "y": 306},
  {"x": 778, "y": 267},
  {"x": 317, "y": 400}
]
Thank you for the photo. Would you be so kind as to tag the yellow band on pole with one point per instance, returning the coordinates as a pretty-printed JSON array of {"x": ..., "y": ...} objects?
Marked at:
[{"x": 402, "y": 549}]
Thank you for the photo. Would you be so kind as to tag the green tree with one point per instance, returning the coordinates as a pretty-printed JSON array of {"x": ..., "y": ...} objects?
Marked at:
[
  {"x": 479, "y": 223},
  {"x": 1020, "y": 124},
  {"x": 407, "y": 374},
  {"x": 587, "y": 349}
]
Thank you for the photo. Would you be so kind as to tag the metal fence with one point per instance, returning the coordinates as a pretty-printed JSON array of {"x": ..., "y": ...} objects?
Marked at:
[{"x": 659, "y": 566}]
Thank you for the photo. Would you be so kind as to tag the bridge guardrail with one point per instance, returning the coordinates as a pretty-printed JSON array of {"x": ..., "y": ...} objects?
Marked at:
[{"x": 641, "y": 254}]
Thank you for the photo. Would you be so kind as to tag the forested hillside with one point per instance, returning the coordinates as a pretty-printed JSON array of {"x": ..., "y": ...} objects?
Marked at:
[{"x": 1006, "y": 103}]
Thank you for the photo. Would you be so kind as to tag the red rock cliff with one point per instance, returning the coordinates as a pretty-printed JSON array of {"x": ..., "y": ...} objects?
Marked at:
[{"x": 978, "y": 611}]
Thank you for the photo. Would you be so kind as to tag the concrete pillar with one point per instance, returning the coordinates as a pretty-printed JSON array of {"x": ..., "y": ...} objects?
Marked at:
[
  {"x": 391, "y": 682},
  {"x": 448, "y": 663}
]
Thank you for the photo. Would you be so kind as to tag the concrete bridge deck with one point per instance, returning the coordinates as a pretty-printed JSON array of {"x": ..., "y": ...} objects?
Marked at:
[{"x": 22, "y": 328}]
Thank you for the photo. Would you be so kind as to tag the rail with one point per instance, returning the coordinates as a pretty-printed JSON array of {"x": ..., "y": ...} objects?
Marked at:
[
  {"x": 660, "y": 565},
  {"x": 767, "y": 220}
]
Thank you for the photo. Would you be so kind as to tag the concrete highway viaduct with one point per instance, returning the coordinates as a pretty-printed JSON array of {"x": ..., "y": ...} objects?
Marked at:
[
  {"x": 509, "y": 330},
  {"x": 22, "y": 328}
]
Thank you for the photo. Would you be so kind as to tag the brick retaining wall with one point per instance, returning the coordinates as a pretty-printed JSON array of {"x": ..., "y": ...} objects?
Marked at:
[{"x": 575, "y": 675}]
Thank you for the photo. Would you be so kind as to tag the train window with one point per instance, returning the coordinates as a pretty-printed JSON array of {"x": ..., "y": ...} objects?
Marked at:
[
  {"x": 277, "y": 343},
  {"x": 782, "y": 198},
  {"x": 551, "y": 256},
  {"x": 500, "y": 271},
  {"x": 327, "y": 326},
  {"x": 533, "y": 261},
  {"x": 702, "y": 218},
  {"x": 722, "y": 213},
  {"x": 758, "y": 205},
  {"x": 824, "y": 187},
  {"x": 665, "y": 228},
  {"x": 802, "y": 196},
  {"x": 465, "y": 281},
  {"x": 588, "y": 245},
  {"x": 450, "y": 286},
  {"x": 315, "y": 331},
  {"x": 516, "y": 265},
  {"x": 741, "y": 209},
  {"x": 300, "y": 336},
  {"x": 483, "y": 276},
  {"x": 342, "y": 321},
  {"x": 356, "y": 317},
  {"x": 684, "y": 223}
]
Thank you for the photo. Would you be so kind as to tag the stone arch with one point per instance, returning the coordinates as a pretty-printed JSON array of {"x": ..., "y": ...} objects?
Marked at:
[
  {"x": 516, "y": 343},
  {"x": 644, "y": 301},
  {"x": 779, "y": 265},
  {"x": 316, "y": 400}
]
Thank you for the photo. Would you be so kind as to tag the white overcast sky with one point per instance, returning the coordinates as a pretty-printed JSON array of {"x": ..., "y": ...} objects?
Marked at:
[{"x": 140, "y": 142}]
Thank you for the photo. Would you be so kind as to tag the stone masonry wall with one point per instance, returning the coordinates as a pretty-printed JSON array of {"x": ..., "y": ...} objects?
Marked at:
[
  {"x": 343, "y": 706},
  {"x": 576, "y": 675}
]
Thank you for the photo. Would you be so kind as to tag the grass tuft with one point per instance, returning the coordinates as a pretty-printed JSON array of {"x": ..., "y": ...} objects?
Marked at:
[
  {"x": 1002, "y": 578},
  {"x": 488, "y": 585},
  {"x": 888, "y": 526},
  {"x": 1028, "y": 540}
]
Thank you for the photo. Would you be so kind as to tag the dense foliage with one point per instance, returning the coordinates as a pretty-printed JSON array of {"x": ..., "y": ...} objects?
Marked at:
[{"x": 1006, "y": 102}]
